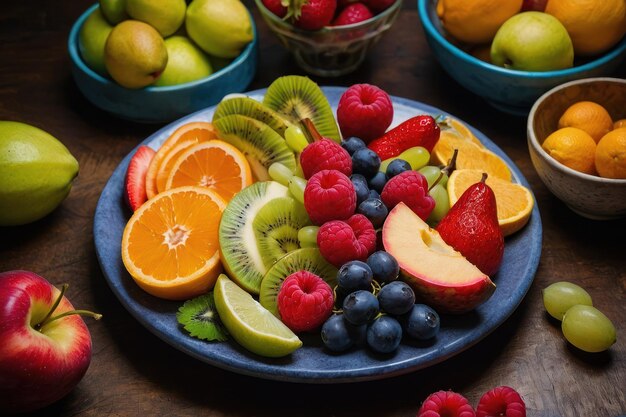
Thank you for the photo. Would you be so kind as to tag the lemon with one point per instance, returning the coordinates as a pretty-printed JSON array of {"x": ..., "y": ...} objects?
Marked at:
[
  {"x": 222, "y": 28},
  {"x": 250, "y": 324},
  {"x": 36, "y": 173}
]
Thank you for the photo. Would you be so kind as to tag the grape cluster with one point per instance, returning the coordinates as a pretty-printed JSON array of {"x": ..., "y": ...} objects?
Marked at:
[{"x": 376, "y": 308}]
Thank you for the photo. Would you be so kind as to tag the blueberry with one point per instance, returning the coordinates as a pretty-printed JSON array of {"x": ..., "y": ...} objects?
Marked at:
[
  {"x": 335, "y": 334},
  {"x": 365, "y": 162},
  {"x": 396, "y": 298},
  {"x": 353, "y": 276},
  {"x": 397, "y": 166},
  {"x": 421, "y": 323},
  {"x": 384, "y": 266},
  {"x": 360, "y": 186},
  {"x": 378, "y": 181},
  {"x": 352, "y": 144},
  {"x": 374, "y": 194},
  {"x": 360, "y": 307},
  {"x": 375, "y": 210},
  {"x": 384, "y": 334}
]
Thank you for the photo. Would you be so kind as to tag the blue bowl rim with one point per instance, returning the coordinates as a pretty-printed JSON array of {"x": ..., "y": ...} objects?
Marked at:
[
  {"x": 72, "y": 46},
  {"x": 422, "y": 6}
]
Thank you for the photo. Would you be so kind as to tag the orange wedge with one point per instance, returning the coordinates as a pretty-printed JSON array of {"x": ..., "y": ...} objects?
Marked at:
[
  {"x": 216, "y": 165},
  {"x": 194, "y": 131},
  {"x": 165, "y": 167},
  {"x": 170, "y": 244},
  {"x": 514, "y": 201},
  {"x": 470, "y": 156},
  {"x": 459, "y": 129}
]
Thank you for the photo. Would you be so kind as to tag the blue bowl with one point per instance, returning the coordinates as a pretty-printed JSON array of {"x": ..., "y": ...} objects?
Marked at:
[
  {"x": 160, "y": 104},
  {"x": 508, "y": 90}
]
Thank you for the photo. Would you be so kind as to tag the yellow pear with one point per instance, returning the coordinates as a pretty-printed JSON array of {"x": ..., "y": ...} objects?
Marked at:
[{"x": 166, "y": 16}]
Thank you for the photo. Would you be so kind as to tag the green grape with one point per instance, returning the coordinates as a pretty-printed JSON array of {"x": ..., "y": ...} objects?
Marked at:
[
  {"x": 280, "y": 173},
  {"x": 442, "y": 203},
  {"x": 295, "y": 139},
  {"x": 416, "y": 156},
  {"x": 298, "y": 172},
  {"x": 308, "y": 236},
  {"x": 560, "y": 296},
  {"x": 432, "y": 173},
  {"x": 588, "y": 328},
  {"x": 296, "y": 188}
]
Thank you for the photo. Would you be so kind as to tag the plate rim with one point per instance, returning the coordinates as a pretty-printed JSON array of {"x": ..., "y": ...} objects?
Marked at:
[{"x": 268, "y": 369}]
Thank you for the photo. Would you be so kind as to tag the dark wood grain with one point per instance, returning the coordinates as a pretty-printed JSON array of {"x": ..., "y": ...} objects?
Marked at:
[{"x": 134, "y": 373}]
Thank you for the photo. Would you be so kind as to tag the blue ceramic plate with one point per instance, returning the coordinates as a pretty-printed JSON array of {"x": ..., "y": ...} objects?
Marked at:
[{"x": 312, "y": 363}]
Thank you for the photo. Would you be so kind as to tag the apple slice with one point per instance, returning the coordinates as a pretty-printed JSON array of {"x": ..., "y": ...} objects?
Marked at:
[{"x": 438, "y": 274}]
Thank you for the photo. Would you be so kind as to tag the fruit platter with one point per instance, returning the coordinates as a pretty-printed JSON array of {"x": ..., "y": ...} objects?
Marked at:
[{"x": 314, "y": 359}]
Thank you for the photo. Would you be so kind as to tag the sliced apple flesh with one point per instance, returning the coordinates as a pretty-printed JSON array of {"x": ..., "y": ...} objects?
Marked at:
[{"x": 440, "y": 276}]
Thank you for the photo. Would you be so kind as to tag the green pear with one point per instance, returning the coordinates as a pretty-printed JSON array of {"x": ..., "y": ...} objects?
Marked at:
[
  {"x": 36, "y": 173},
  {"x": 114, "y": 10},
  {"x": 165, "y": 15},
  {"x": 185, "y": 62},
  {"x": 532, "y": 41},
  {"x": 220, "y": 27},
  {"x": 91, "y": 40},
  {"x": 135, "y": 54}
]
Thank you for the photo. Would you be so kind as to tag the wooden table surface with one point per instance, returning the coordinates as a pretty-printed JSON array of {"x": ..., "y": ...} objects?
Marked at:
[{"x": 134, "y": 373}]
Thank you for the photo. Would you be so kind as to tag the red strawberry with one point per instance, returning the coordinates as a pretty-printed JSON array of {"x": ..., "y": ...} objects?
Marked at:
[
  {"x": 378, "y": 6},
  {"x": 471, "y": 227},
  {"x": 276, "y": 7},
  {"x": 353, "y": 13},
  {"x": 135, "y": 181},
  {"x": 312, "y": 14},
  {"x": 501, "y": 401},
  {"x": 417, "y": 131}
]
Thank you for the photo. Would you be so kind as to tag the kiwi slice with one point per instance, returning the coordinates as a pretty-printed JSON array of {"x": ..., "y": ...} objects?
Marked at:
[
  {"x": 239, "y": 249},
  {"x": 200, "y": 318},
  {"x": 247, "y": 106},
  {"x": 298, "y": 98},
  {"x": 309, "y": 259},
  {"x": 276, "y": 227},
  {"x": 261, "y": 145}
]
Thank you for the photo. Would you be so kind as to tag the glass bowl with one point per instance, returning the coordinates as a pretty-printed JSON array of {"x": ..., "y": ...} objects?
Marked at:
[{"x": 330, "y": 51}]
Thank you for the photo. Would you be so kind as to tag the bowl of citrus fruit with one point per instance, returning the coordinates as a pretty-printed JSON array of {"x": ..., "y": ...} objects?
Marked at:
[
  {"x": 156, "y": 63},
  {"x": 512, "y": 52},
  {"x": 577, "y": 144}
]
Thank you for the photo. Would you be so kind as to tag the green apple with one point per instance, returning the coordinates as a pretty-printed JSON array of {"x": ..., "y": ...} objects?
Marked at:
[
  {"x": 532, "y": 41},
  {"x": 114, "y": 10},
  {"x": 91, "y": 39},
  {"x": 165, "y": 15},
  {"x": 135, "y": 54},
  {"x": 185, "y": 62},
  {"x": 222, "y": 28}
]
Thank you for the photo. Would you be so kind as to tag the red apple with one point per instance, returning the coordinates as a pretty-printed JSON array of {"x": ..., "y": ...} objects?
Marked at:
[
  {"x": 534, "y": 5},
  {"x": 45, "y": 346},
  {"x": 440, "y": 276}
]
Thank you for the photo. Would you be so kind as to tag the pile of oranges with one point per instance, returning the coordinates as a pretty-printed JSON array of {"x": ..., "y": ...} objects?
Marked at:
[
  {"x": 594, "y": 26},
  {"x": 589, "y": 141}
]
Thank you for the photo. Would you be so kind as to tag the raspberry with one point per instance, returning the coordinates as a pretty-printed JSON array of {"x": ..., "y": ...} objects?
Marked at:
[
  {"x": 325, "y": 154},
  {"x": 329, "y": 195},
  {"x": 305, "y": 301},
  {"x": 342, "y": 241},
  {"x": 411, "y": 188},
  {"x": 501, "y": 401},
  {"x": 364, "y": 111},
  {"x": 353, "y": 13},
  {"x": 446, "y": 404}
]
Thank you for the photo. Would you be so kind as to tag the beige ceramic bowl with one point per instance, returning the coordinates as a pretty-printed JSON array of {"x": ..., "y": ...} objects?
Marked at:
[{"x": 588, "y": 195}]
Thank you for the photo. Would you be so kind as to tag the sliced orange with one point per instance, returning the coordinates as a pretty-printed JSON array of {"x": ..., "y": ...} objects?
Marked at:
[
  {"x": 514, "y": 201},
  {"x": 460, "y": 129},
  {"x": 470, "y": 156},
  {"x": 165, "y": 167},
  {"x": 170, "y": 244},
  {"x": 216, "y": 165},
  {"x": 193, "y": 131}
]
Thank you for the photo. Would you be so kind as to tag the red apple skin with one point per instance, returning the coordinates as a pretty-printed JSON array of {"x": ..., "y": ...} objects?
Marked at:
[{"x": 37, "y": 368}]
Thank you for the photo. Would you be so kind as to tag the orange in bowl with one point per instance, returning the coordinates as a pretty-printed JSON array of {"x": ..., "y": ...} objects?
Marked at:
[
  {"x": 610, "y": 157},
  {"x": 572, "y": 147},
  {"x": 588, "y": 116}
]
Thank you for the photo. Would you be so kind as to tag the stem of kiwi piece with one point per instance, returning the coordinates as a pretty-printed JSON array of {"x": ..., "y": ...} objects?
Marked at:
[{"x": 310, "y": 131}]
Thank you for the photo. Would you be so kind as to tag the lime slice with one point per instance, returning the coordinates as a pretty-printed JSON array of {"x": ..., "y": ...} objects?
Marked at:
[{"x": 250, "y": 324}]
